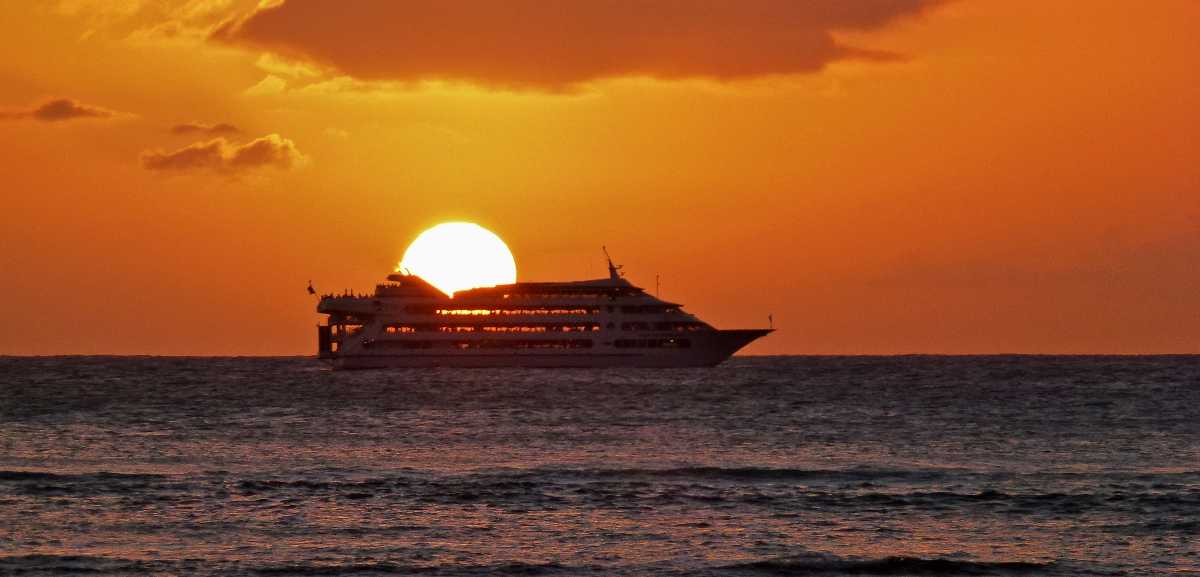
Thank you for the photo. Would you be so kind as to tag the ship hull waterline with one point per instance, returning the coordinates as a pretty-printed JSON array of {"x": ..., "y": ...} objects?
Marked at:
[{"x": 707, "y": 352}]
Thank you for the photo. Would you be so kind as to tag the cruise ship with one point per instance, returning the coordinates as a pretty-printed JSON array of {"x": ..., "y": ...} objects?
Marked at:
[{"x": 605, "y": 322}]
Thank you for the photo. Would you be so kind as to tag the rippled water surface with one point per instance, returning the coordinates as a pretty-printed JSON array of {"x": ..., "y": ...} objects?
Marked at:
[{"x": 762, "y": 466}]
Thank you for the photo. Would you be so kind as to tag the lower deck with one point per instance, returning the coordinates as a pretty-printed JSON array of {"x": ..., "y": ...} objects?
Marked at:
[{"x": 695, "y": 350}]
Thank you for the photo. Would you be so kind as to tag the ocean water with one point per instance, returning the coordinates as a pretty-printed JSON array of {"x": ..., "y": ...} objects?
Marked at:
[{"x": 762, "y": 466}]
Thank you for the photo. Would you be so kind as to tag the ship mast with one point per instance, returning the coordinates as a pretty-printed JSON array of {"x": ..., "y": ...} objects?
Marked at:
[{"x": 614, "y": 271}]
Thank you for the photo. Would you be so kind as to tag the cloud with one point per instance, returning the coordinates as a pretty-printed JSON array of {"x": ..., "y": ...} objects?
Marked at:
[
  {"x": 221, "y": 155},
  {"x": 151, "y": 20},
  {"x": 219, "y": 129},
  {"x": 550, "y": 43},
  {"x": 271, "y": 84},
  {"x": 58, "y": 110}
]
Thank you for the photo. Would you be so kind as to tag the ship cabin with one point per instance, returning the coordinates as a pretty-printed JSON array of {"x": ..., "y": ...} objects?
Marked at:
[{"x": 407, "y": 315}]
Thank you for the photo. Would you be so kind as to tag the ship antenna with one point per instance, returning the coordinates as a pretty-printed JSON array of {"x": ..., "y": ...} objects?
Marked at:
[{"x": 614, "y": 270}]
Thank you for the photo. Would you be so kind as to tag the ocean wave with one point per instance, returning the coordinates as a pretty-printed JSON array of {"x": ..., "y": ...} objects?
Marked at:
[
  {"x": 67, "y": 564},
  {"x": 87, "y": 564},
  {"x": 42, "y": 483},
  {"x": 257, "y": 485},
  {"x": 6, "y": 475},
  {"x": 765, "y": 474},
  {"x": 523, "y": 478},
  {"x": 816, "y": 564},
  {"x": 304, "y": 569},
  {"x": 789, "y": 488},
  {"x": 351, "y": 569}
]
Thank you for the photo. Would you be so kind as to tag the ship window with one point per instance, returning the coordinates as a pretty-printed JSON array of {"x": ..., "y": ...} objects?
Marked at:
[
  {"x": 522, "y": 344},
  {"x": 539, "y": 328},
  {"x": 672, "y": 343},
  {"x": 650, "y": 309},
  {"x": 456, "y": 329},
  {"x": 404, "y": 343},
  {"x": 466, "y": 312},
  {"x": 556, "y": 310}
]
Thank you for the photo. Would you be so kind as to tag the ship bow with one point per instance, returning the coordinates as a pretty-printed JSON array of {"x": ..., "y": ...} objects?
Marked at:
[{"x": 731, "y": 341}]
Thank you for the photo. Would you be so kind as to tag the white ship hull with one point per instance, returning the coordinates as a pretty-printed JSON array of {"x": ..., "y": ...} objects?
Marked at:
[{"x": 720, "y": 347}]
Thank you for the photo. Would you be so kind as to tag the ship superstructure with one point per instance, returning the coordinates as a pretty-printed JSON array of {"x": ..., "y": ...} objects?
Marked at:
[{"x": 593, "y": 323}]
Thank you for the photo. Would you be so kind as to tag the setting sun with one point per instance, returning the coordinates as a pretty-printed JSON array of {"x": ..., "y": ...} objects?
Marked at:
[{"x": 456, "y": 256}]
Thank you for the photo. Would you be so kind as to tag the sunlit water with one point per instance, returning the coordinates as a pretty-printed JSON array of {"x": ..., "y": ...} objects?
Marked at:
[{"x": 762, "y": 466}]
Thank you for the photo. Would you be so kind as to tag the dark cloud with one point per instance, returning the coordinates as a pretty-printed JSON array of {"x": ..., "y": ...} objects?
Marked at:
[
  {"x": 60, "y": 109},
  {"x": 220, "y": 129},
  {"x": 220, "y": 155},
  {"x": 67, "y": 109},
  {"x": 551, "y": 43}
]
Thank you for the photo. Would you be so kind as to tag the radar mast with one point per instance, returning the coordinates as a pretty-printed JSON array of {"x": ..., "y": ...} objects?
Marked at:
[{"x": 614, "y": 270}]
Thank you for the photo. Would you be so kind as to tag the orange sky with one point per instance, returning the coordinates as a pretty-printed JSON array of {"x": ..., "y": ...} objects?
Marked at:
[{"x": 890, "y": 176}]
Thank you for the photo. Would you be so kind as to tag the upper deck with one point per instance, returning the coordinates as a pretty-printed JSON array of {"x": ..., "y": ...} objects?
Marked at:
[{"x": 411, "y": 296}]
